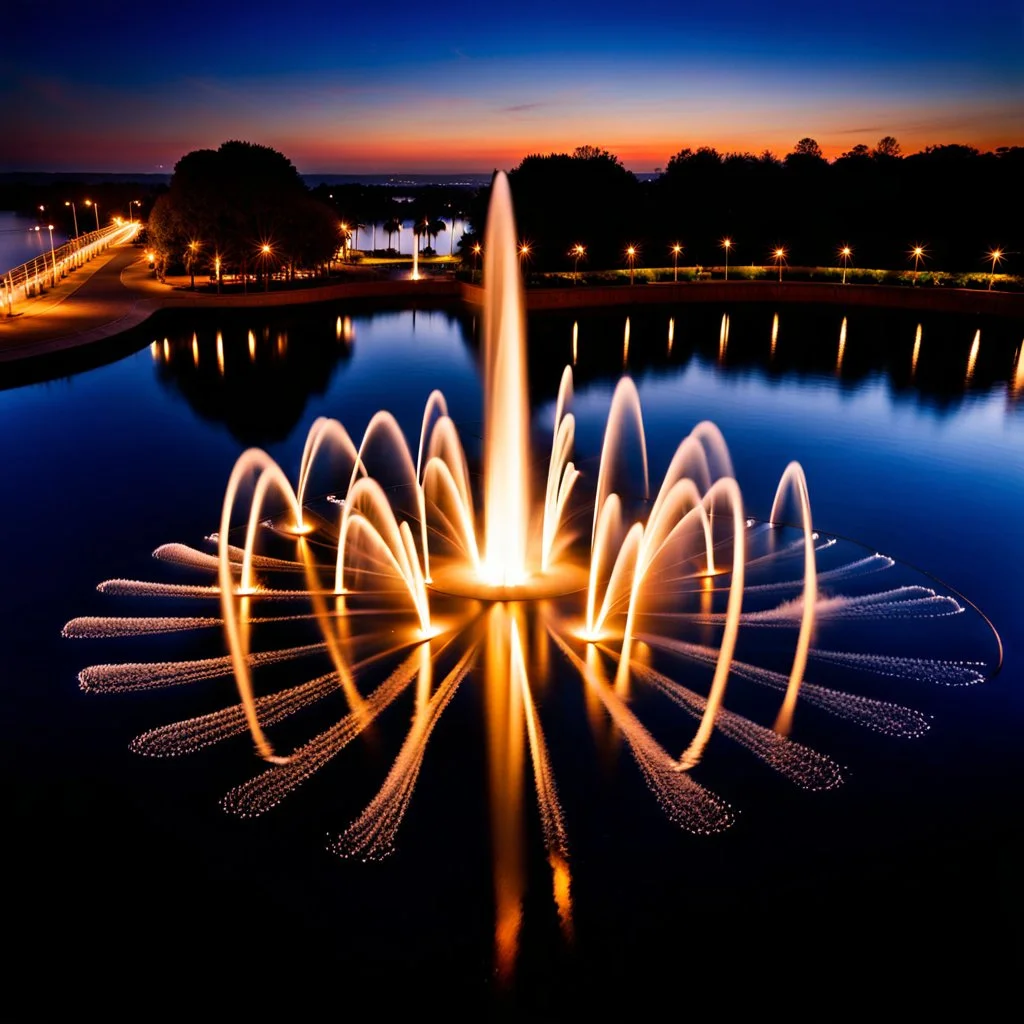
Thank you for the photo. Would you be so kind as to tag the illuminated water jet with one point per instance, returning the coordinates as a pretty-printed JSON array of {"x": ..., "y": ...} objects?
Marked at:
[{"x": 416, "y": 570}]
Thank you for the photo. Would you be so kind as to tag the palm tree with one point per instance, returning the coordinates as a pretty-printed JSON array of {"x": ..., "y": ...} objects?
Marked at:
[
  {"x": 390, "y": 227},
  {"x": 434, "y": 229},
  {"x": 421, "y": 228}
]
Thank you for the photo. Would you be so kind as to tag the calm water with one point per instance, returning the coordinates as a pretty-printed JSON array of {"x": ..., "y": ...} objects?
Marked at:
[
  {"x": 20, "y": 242},
  {"x": 905, "y": 880}
]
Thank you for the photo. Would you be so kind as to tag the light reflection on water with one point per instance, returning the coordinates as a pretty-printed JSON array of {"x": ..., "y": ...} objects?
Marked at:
[{"x": 898, "y": 446}]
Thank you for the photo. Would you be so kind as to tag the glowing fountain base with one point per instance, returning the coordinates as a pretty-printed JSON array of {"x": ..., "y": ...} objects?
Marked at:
[{"x": 462, "y": 581}]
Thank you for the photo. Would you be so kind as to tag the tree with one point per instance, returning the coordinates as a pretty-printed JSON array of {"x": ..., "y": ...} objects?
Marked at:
[
  {"x": 594, "y": 153},
  {"x": 436, "y": 226},
  {"x": 858, "y": 152},
  {"x": 227, "y": 203},
  {"x": 808, "y": 147},
  {"x": 888, "y": 148}
]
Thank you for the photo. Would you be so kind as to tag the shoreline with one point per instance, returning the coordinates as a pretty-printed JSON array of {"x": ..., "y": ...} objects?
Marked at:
[{"x": 122, "y": 294}]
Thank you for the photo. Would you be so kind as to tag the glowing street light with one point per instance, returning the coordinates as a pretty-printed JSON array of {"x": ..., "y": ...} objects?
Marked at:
[
  {"x": 631, "y": 260},
  {"x": 845, "y": 253},
  {"x": 727, "y": 245},
  {"x": 344, "y": 241},
  {"x": 96, "y": 210},
  {"x": 524, "y": 253},
  {"x": 476, "y": 256},
  {"x": 74, "y": 214},
  {"x": 676, "y": 250},
  {"x": 577, "y": 253},
  {"x": 917, "y": 253},
  {"x": 53, "y": 256},
  {"x": 193, "y": 248},
  {"x": 265, "y": 252},
  {"x": 996, "y": 256},
  {"x": 779, "y": 255}
]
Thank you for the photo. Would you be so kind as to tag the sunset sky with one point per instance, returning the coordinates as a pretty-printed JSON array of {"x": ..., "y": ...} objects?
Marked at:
[{"x": 463, "y": 86}]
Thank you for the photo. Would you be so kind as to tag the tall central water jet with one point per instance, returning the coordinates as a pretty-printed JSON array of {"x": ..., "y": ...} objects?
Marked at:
[{"x": 506, "y": 422}]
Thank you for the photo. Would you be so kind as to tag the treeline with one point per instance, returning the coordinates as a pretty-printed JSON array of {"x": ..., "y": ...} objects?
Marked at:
[
  {"x": 955, "y": 201},
  {"x": 379, "y": 212}
]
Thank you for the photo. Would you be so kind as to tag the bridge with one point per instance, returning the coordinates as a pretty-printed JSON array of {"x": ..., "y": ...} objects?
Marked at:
[{"x": 48, "y": 269}]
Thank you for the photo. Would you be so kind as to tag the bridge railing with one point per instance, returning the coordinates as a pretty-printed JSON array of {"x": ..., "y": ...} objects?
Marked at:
[{"x": 48, "y": 268}]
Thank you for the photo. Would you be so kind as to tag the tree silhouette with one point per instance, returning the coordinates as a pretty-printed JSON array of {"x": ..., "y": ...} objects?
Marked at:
[{"x": 230, "y": 201}]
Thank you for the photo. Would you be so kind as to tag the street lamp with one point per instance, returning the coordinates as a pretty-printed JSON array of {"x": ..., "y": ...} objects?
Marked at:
[
  {"x": 996, "y": 256},
  {"x": 74, "y": 215},
  {"x": 727, "y": 245},
  {"x": 917, "y": 253},
  {"x": 578, "y": 252},
  {"x": 779, "y": 255},
  {"x": 53, "y": 257},
  {"x": 524, "y": 252},
  {"x": 631, "y": 260},
  {"x": 131, "y": 203},
  {"x": 844, "y": 254},
  {"x": 476, "y": 256},
  {"x": 676, "y": 250},
  {"x": 265, "y": 250},
  {"x": 193, "y": 248},
  {"x": 96, "y": 210},
  {"x": 344, "y": 240}
]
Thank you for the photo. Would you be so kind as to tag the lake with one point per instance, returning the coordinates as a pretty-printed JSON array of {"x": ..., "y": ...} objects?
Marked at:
[
  {"x": 130, "y": 888},
  {"x": 20, "y": 242}
]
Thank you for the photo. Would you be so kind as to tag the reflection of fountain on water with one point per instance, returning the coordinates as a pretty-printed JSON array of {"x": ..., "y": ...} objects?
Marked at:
[
  {"x": 404, "y": 581},
  {"x": 972, "y": 358}
]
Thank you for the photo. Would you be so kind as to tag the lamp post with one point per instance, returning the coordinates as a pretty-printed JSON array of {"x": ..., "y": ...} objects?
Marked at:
[
  {"x": 265, "y": 251},
  {"x": 344, "y": 242},
  {"x": 918, "y": 254},
  {"x": 727, "y": 245},
  {"x": 676, "y": 250},
  {"x": 192, "y": 247},
  {"x": 74, "y": 215},
  {"x": 53, "y": 255},
  {"x": 779, "y": 255},
  {"x": 524, "y": 252},
  {"x": 844, "y": 254},
  {"x": 578, "y": 252},
  {"x": 631, "y": 259},
  {"x": 96, "y": 210},
  {"x": 996, "y": 256},
  {"x": 476, "y": 256}
]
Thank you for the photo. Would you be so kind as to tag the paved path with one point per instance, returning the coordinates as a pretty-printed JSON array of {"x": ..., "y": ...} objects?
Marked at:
[{"x": 89, "y": 305}]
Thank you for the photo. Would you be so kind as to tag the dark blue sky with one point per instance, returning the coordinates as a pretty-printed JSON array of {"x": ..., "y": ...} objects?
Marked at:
[{"x": 471, "y": 86}]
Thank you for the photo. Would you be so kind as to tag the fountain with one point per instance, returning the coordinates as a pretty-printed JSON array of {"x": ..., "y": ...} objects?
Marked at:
[{"x": 410, "y": 590}]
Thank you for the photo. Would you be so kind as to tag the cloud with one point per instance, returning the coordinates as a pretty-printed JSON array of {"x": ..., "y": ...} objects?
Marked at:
[{"x": 519, "y": 108}]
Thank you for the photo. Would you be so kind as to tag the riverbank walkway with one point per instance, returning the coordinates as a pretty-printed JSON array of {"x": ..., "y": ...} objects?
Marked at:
[{"x": 118, "y": 291}]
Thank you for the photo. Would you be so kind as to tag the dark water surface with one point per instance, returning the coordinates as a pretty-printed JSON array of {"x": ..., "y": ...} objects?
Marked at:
[{"x": 130, "y": 891}]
